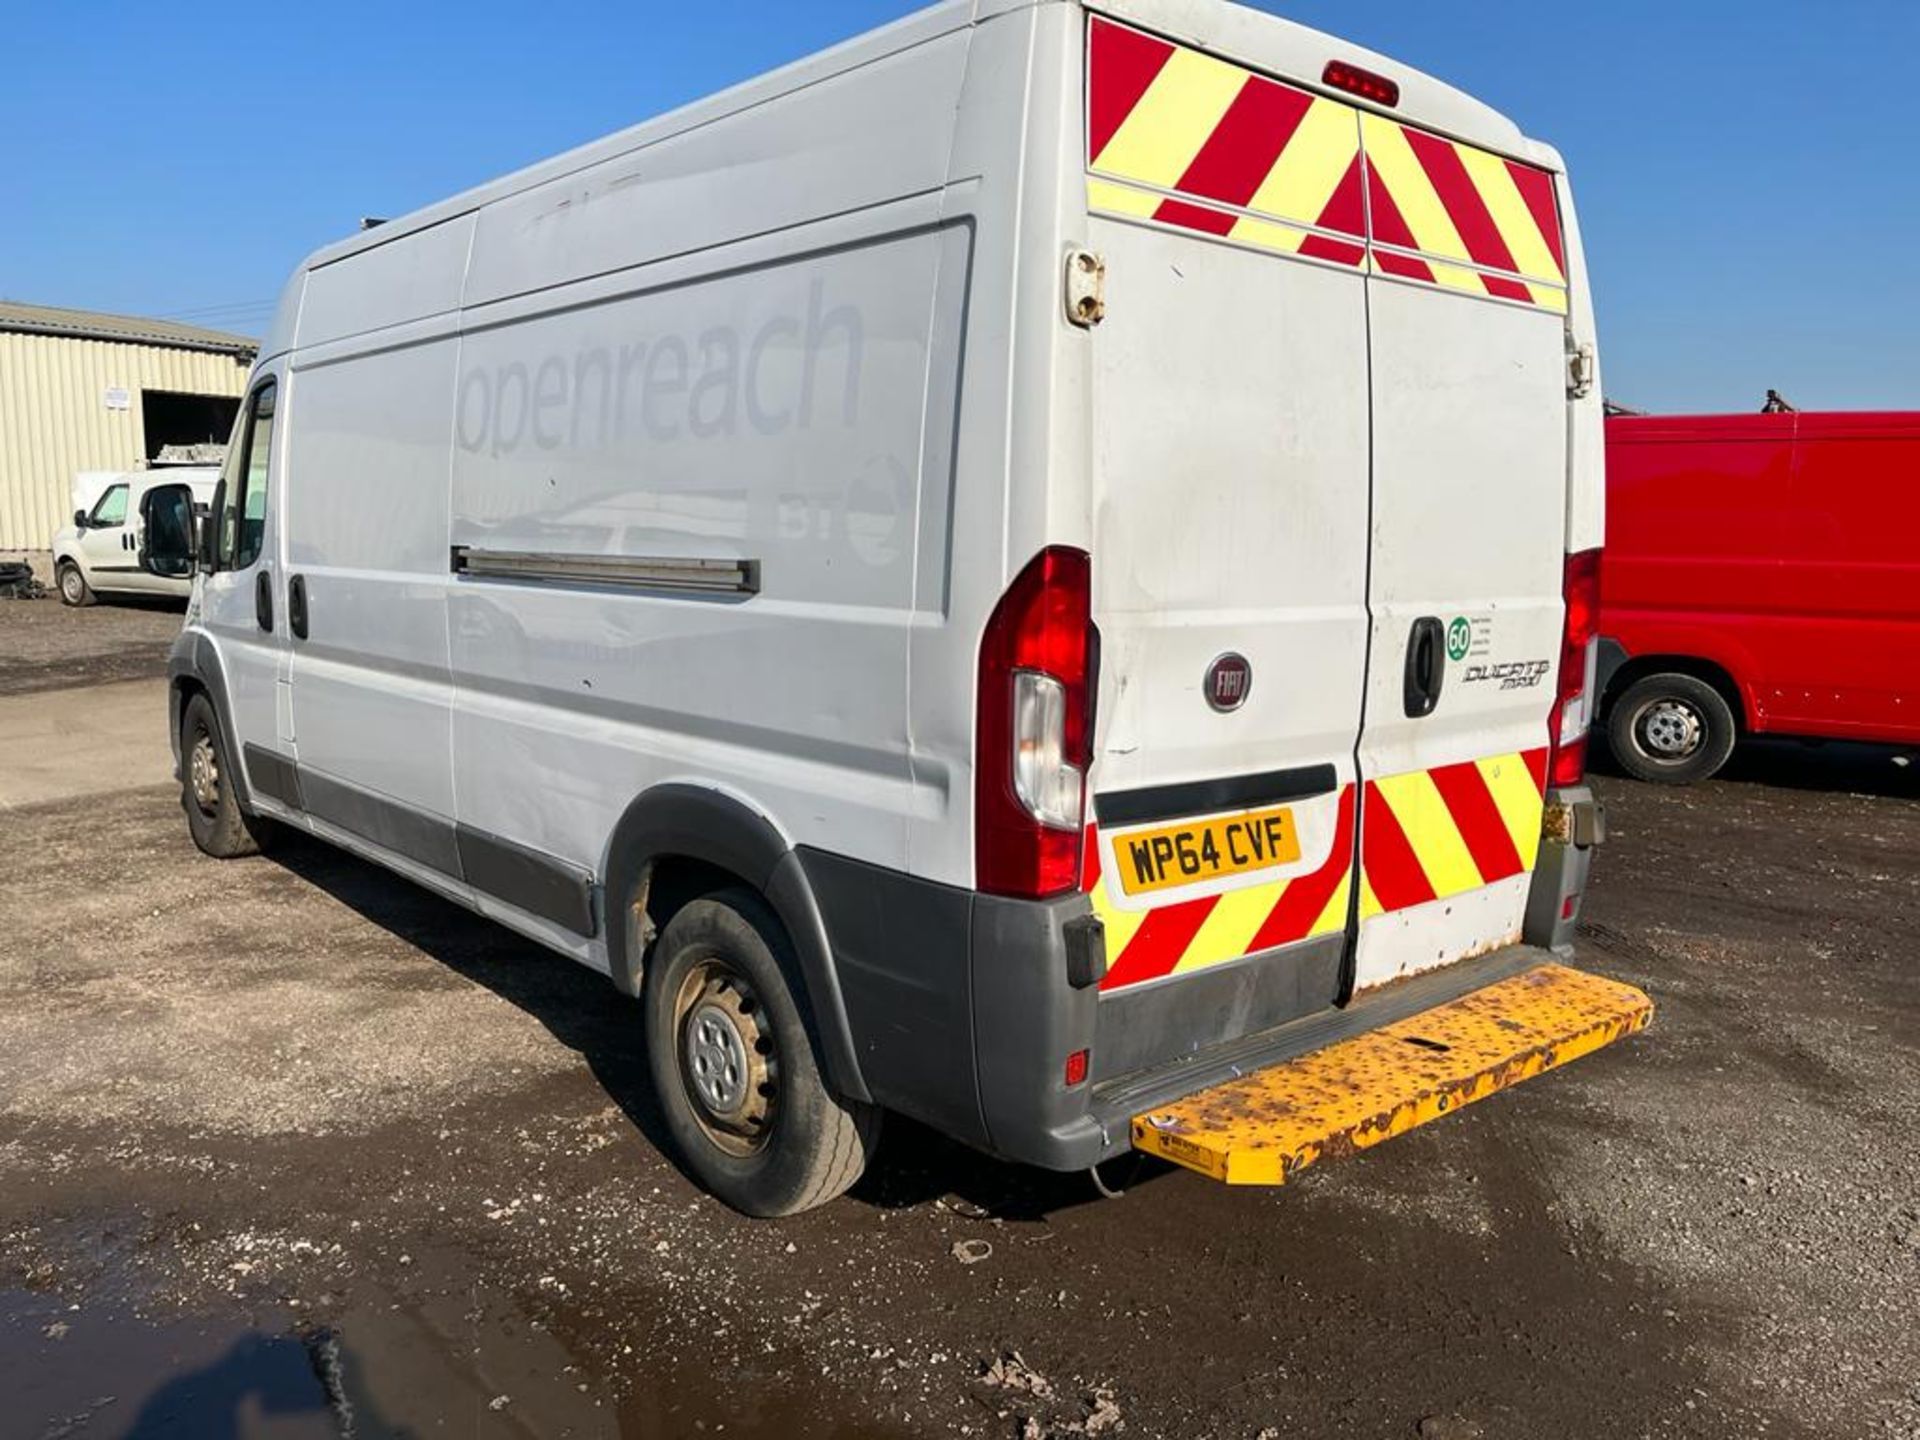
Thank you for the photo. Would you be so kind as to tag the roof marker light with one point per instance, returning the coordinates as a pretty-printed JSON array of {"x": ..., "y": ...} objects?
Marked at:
[{"x": 1364, "y": 83}]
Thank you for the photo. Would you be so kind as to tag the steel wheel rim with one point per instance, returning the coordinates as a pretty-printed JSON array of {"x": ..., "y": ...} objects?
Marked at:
[
  {"x": 726, "y": 1056},
  {"x": 70, "y": 584},
  {"x": 203, "y": 772},
  {"x": 1668, "y": 730}
]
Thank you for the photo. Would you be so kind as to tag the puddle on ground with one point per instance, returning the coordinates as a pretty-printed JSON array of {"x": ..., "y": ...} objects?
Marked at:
[
  {"x": 73, "y": 1369},
  {"x": 381, "y": 1369}
]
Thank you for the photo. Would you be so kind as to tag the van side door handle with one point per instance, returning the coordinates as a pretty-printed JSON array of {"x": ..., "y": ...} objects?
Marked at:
[
  {"x": 297, "y": 606},
  {"x": 1426, "y": 666},
  {"x": 263, "y": 600}
]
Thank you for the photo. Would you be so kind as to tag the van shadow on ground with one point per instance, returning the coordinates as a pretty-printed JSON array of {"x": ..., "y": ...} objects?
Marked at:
[
  {"x": 1839, "y": 766},
  {"x": 579, "y": 1008},
  {"x": 114, "y": 600}
]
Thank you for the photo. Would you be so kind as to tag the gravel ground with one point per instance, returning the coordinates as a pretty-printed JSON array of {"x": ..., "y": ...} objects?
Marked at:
[
  {"x": 45, "y": 645},
  {"x": 291, "y": 1140}
]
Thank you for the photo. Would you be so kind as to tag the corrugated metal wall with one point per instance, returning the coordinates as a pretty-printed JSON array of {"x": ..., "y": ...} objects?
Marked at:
[{"x": 54, "y": 418}]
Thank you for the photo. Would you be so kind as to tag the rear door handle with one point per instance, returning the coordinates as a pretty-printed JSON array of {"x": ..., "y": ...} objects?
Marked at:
[
  {"x": 1426, "y": 666},
  {"x": 297, "y": 606},
  {"x": 263, "y": 600}
]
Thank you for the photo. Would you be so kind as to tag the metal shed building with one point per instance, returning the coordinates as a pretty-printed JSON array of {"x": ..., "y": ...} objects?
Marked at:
[{"x": 83, "y": 391}]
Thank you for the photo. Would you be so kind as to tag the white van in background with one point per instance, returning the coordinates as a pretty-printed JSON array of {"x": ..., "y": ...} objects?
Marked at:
[
  {"x": 99, "y": 554},
  {"x": 1033, "y": 570}
]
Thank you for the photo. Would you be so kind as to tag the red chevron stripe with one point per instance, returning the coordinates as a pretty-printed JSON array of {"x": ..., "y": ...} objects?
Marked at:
[
  {"x": 1306, "y": 896},
  {"x": 1346, "y": 211},
  {"x": 1319, "y": 247},
  {"x": 1536, "y": 188},
  {"x": 1403, "y": 265},
  {"x": 1246, "y": 142},
  {"x": 1194, "y": 217},
  {"x": 1122, "y": 63},
  {"x": 1389, "y": 225},
  {"x": 1502, "y": 289},
  {"x": 1391, "y": 866},
  {"x": 1159, "y": 943},
  {"x": 1470, "y": 803},
  {"x": 1090, "y": 860},
  {"x": 1461, "y": 197},
  {"x": 1536, "y": 763}
]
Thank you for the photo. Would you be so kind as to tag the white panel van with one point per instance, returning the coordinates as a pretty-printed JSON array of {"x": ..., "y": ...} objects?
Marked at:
[
  {"x": 99, "y": 553},
  {"x": 1012, "y": 572}
]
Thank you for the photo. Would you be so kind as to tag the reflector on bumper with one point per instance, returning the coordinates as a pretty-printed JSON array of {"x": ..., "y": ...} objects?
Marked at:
[{"x": 1264, "y": 1128}]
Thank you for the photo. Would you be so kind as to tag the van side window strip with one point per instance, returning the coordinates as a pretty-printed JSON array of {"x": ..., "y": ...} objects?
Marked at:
[
  {"x": 1205, "y": 797},
  {"x": 638, "y": 572}
]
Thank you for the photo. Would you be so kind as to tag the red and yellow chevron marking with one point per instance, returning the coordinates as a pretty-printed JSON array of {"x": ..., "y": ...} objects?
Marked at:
[
  {"x": 1193, "y": 934},
  {"x": 1162, "y": 115},
  {"x": 1181, "y": 138},
  {"x": 1429, "y": 834},
  {"x": 1424, "y": 835},
  {"x": 1458, "y": 207}
]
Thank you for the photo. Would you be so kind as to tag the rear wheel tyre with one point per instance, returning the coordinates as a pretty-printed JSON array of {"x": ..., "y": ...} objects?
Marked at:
[
  {"x": 1671, "y": 729},
  {"x": 734, "y": 1066},
  {"x": 74, "y": 589},
  {"x": 214, "y": 817}
]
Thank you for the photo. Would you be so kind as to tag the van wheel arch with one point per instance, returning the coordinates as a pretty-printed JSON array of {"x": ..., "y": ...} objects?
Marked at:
[
  {"x": 71, "y": 581},
  {"x": 677, "y": 843},
  {"x": 194, "y": 669},
  {"x": 1636, "y": 668}
]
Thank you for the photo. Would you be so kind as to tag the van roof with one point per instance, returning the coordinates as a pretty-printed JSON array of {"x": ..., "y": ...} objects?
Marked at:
[
  {"x": 1253, "y": 37},
  {"x": 1785, "y": 425}
]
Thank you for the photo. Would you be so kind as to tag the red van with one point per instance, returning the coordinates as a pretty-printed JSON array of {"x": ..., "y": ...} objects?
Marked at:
[{"x": 1761, "y": 576}]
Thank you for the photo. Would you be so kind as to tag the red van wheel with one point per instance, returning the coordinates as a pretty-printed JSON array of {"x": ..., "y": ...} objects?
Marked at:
[{"x": 1671, "y": 729}]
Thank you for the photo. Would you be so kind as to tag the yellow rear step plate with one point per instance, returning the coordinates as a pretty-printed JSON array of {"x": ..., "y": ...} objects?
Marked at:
[{"x": 1265, "y": 1128}]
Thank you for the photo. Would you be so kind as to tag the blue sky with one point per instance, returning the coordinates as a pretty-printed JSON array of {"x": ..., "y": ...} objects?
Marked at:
[{"x": 1745, "y": 169}]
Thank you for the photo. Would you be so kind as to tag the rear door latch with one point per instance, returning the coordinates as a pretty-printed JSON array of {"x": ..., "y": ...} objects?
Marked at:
[
  {"x": 1086, "y": 288},
  {"x": 1580, "y": 370}
]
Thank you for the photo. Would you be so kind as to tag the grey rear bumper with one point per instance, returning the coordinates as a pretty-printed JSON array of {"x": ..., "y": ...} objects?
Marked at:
[
  {"x": 962, "y": 1009},
  {"x": 1575, "y": 823}
]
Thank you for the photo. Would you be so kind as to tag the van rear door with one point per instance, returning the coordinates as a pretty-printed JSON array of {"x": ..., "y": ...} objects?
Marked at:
[
  {"x": 1331, "y": 454},
  {"x": 1466, "y": 338},
  {"x": 1230, "y": 541}
]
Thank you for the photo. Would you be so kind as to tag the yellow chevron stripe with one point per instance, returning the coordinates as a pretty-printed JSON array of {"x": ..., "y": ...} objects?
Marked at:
[
  {"x": 1455, "y": 277},
  {"x": 1230, "y": 926},
  {"x": 1494, "y": 181},
  {"x": 1121, "y": 925},
  {"x": 1121, "y": 199},
  {"x": 1391, "y": 156},
  {"x": 1267, "y": 235},
  {"x": 1370, "y": 905},
  {"x": 1548, "y": 297},
  {"x": 1518, "y": 802},
  {"x": 1431, "y": 831},
  {"x": 1310, "y": 168},
  {"x": 1168, "y": 125},
  {"x": 1334, "y": 917}
]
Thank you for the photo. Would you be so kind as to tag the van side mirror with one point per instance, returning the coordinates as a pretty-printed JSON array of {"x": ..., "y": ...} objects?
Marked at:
[
  {"x": 166, "y": 532},
  {"x": 79, "y": 519}
]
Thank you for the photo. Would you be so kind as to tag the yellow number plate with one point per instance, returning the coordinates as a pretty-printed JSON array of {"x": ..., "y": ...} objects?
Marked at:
[{"x": 1205, "y": 850}]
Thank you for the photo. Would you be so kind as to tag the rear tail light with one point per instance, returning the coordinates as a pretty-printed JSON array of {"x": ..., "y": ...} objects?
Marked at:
[
  {"x": 1364, "y": 83},
  {"x": 1573, "y": 704},
  {"x": 1034, "y": 732}
]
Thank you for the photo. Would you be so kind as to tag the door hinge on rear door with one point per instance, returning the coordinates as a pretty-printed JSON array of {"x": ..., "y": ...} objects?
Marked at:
[
  {"x": 1579, "y": 370},
  {"x": 1086, "y": 292}
]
